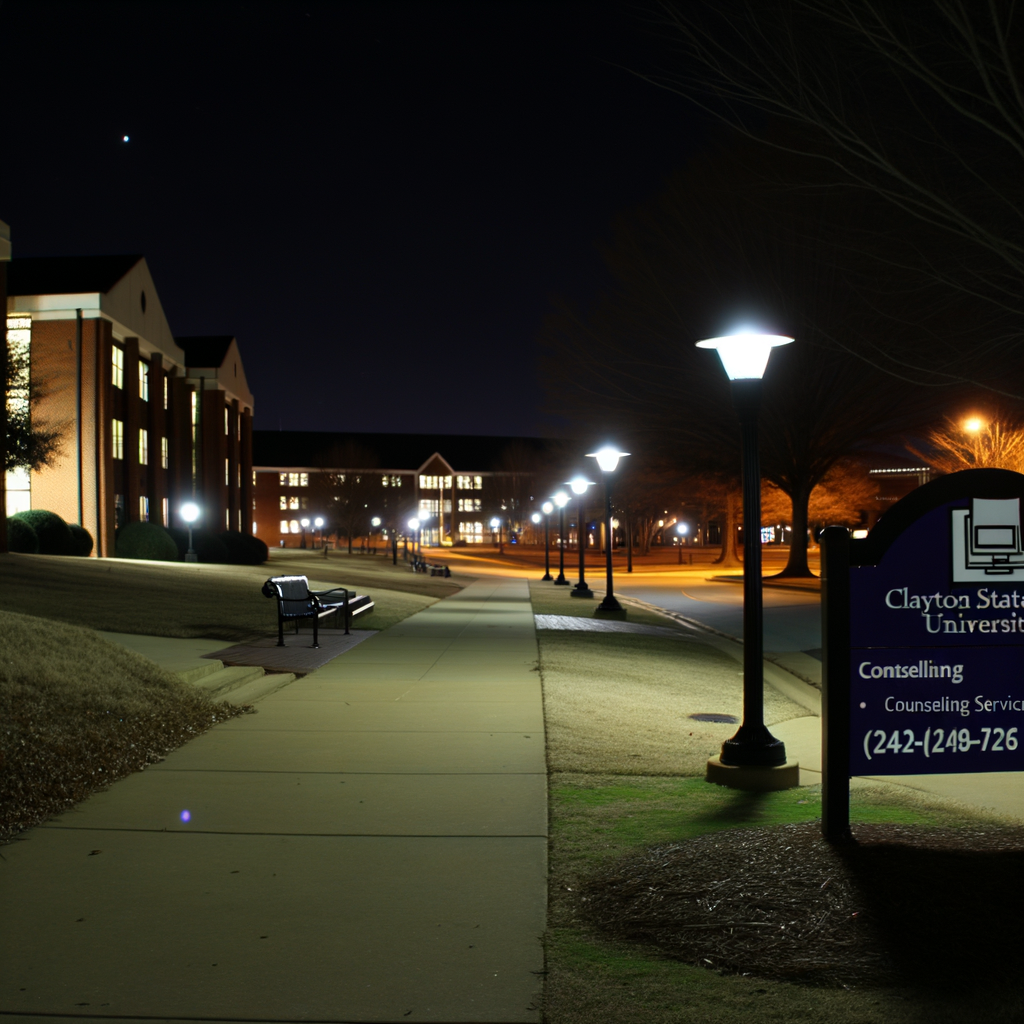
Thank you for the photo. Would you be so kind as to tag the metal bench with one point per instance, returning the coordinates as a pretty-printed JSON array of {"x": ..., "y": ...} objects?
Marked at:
[
  {"x": 419, "y": 565},
  {"x": 295, "y": 601}
]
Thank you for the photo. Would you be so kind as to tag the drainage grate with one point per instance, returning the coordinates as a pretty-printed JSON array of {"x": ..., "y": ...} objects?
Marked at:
[{"x": 712, "y": 716}]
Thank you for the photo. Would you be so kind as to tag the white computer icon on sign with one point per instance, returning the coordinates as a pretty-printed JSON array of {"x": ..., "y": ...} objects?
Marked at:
[{"x": 987, "y": 540}]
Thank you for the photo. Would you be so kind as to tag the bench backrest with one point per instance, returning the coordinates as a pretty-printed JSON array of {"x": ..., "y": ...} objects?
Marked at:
[{"x": 293, "y": 597}]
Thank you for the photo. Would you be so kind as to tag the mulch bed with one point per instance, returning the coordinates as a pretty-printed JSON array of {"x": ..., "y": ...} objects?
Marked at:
[{"x": 900, "y": 905}]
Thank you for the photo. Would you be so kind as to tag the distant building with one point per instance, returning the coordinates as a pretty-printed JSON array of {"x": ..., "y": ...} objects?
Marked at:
[
  {"x": 147, "y": 420},
  {"x": 454, "y": 484}
]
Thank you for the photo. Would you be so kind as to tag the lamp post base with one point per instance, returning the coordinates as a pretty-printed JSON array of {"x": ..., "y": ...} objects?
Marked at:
[
  {"x": 561, "y": 582},
  {"x": 191, "y": 556},
  {"x": 600, "y": 612},
  {"x": 610, "y": 604},
  {"x": 758, "y": 778},
  {"x": 546, "y": 578},
  {"x": 581, "y": 590}
]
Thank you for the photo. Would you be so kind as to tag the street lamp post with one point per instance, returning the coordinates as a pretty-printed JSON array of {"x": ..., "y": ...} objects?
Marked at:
[
  {"x": 681, "y": 530},
  {"x": 414, "y": 525},
  {"x": 607, "y": 459},
  {"x": 319, "y": 524},
  {"x": 561, "y": 499},
  {"x": 579, "y": 487},
  {"x": 547, "y": 508},
  {"x": 374, "y": 525},
  {"x": 759, "y": 757},
  {"x": 304, "y": 523},
  {"x": 496, "y": 525},
  {"x": 190, "y": 513}
]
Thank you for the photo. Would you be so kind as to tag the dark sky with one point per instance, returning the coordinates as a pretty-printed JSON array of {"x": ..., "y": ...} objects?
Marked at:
[{"x": 378, "y": 200}]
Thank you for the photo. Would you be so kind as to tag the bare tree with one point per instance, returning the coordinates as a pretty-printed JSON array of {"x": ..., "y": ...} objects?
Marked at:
[
  {"x": 916, "y": 107},
  {"x": 974, "y": 443}
]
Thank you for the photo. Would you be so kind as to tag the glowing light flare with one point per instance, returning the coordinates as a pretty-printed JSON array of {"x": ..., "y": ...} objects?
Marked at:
[
  {"x": 414, "y": 524},
  {"x": 536, "y": 517},
  {"x": 579, "y": 484},
  {"x": 375, "y": 522},
  {"x": 607, "y": 458},
  {"x": 495, "y": 523},
  {"x": 318, "y": 522},
  {"x": 124, "y": 138},
  {"x": 547, "y": 508},
  {"x": 190, "y": 511},
  {"x": 974, "y": 424},
  {"x": 561, "y": 499},
  {"x": 681, "y": 528},
  {"x": 745, "y": 355},
  {"x": 186, "y": 815}
]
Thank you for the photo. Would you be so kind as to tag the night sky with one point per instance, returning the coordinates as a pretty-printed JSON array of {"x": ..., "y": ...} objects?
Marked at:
[{"x": 379, "y": 200}]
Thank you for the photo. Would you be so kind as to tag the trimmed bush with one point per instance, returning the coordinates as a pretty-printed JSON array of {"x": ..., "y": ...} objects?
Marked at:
[
  {"x": 145, "y": 540},
  {"x": 244, "y": 549},
  {"x": 82, "y": 539},
  {"x": 208, "y": 546},
  {"x": 21, "y": 538},
  {"x": 53, "y": 533}
]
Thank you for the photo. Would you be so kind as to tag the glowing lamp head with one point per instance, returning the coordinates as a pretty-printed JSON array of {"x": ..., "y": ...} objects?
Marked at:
[
  {"x": 607, "y": 458},
  {"x": 547, "y": 508},
  {"x": 681, "y": 528},
  {"x": 318, "y": 522},
  {"x": 414, "y": 524},
  {"x": 375, "y": 522},
  {"x": 190, "y": 511},
  {"x": 745, "y": 355},
  {"x": 304, "y": 523},
  {"x": 579, "y": 484},
  {"x": 974, "y": 424},
  {"x": 536, "y": 517},
  {"x": 561, "y": 499},
  {"x": 495, "y": 523}
]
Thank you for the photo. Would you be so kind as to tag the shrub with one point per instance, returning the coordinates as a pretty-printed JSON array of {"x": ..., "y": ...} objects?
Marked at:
[
  {"x": 82, "y": 540},
  {"x": 208, "y": 546},
  {"x": 53, "y": 533},
  {"x": 21, "y": 537},
  {"x": 243, "y": 548},
  {"x": 145, "y": 540}
]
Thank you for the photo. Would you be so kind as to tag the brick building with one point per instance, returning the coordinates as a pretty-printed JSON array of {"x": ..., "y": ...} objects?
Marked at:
[
  {"x": 454, "y": 484},
  {"x": 146, "y": 420}
]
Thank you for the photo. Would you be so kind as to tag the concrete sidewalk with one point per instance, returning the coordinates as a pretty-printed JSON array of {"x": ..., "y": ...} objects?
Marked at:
[{"x": 370, "y": 846}]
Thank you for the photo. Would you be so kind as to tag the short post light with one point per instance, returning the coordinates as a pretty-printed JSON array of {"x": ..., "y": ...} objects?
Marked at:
[
  {"x": 607, "y": 460},
  {"x": 319, "y": 524},
  {"x": 414, "y": 525},
  {"x": 496, "y": 526},
  {"x": 547, "y": 508},
  {"x": 753, "y": 758},
  {"x": 304, "y": 523},
  {"x": 190, "y": 513},
  {"x": 561, "y": 499},
  {"x": 681, "y": 530},
  {"x": 578, "y": 485}
]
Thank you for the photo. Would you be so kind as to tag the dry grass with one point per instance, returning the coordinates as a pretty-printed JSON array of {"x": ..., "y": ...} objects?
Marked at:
[
  {"x": 619, "y": 704},
  {"x": 221, "y": 602},
  {"x": 78, "y": 712}
]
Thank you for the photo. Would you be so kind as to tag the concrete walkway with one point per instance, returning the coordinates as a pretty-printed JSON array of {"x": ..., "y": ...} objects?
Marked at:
[{"x": 369, "y": 846}]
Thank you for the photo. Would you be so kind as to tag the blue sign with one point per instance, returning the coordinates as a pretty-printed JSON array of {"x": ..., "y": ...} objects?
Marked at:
[{"x": 923, "y": 636}]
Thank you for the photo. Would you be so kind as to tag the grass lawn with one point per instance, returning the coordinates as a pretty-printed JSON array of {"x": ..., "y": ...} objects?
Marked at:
[
  {"x": 626, "y": 776},
  {"x": 221, "y": 602}
]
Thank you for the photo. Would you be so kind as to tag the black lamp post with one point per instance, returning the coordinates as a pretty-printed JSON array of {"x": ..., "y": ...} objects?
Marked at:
[
  {"x": 745, "y": 357},
  {"x": 579, "y": 487},
  {"x": 304, "y": 523},
  {"x": 190, "y": 513},
  {"x": 561, "y": 499},
  {"x": 607, "y": 459},
  {"x": 547, "y": 508}
]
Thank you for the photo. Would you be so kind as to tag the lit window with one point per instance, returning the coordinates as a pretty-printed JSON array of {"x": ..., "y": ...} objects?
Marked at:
[
  {"x": 469, "y": 504},
  {"x": 282, "y": 479},
  {"x": 239, "y": 520},
  {"x": 284, "y": 526},
  {"x": 464, "y": 483},
  {"x": 143, "y": 381},
  {"x": 254, "y": 478},
  {"x": 166, "y": 388},
  {"x": 284, "y": 502},
  {"x": 227, "y": 519},
  {"x": 304, "y": 502},
  {"x": 428, "y": 507},
  {"x": 117, "y": 439},
  {"x": 143, "y": 447},
  {"x": 165, "y": 511},
  {"x": 447, "y": 483},
  {"x": 117, "y": 367},
  {"x": 478, "y": 483},
  {"x": 294, "y": 526},
  {"x": 293, "y": 501},
  {"x": 472, "y": 533},
  {"x": 396, "y": 481},
  {"x": 143, "y": 510},
  {"x": 165, "y": 453},
  {"x": 383, "y": 481},
  {"x": 227, "y": 428},
  {"x": 227, "y": 476},
  {"x": 293, "y": 479},
  {"x": 254, "y": 527},
  {"x": 303, "y": 479},
  {"x": 239, "y": 477}
]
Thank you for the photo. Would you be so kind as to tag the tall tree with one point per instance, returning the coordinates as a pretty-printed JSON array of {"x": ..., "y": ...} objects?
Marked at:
[
  {"x": 721, "y": 248},
  {"x": 916, "y": 106}
]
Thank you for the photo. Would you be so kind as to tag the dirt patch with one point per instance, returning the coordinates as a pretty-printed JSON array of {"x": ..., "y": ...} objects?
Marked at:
[{"x": 901, "y": 905}]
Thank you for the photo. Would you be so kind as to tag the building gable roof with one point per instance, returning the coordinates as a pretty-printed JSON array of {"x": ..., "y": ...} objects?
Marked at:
[
  {"x": 205, "y": 350},
  {"x": 67, "y": 275}
]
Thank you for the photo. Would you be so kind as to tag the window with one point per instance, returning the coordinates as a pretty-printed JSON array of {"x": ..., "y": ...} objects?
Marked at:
[
  {"x": 294, "y": 526},
  {"x": 293, "y": 479},
  {"x": 227, "y": 428},
  {"x": 478, "y": 483},
  {"x": 304, "y": 502},
  {"x": 293, "y": 501},
  {"x": 254, "y": 528},
  {"x": 391, "y": 481},
  {"x": 117, "y": 366},
  {"x": 428, "y": 507},
  {"x": 239, "y": 520},
  {"x": 143, "y": 509},
  {"x": 143, "y": 381},
  {"x": 165, "y": 511},
  {"x": 284, "y": 526},
  {"x": 165, "y": 453},
  {"x": 284, "y": 502},
  {"x": 282, "y": 479},
  {"x": 469, "y": 504},
  {"x": 472, "y": 533},
  {"x": 239, "y": 476},
  {"x": 470, "y": 483},
  {"x": 303, "y": 479},
  {"x": 227, "y": 477},
  {"x": 166, "y": 388},
  {"x": 227, "y": 519},
  {"x": 117, "y": 439},
  {"x": 143, "y": 447},
  {"x": 254, "y": 478},
  {"x": 435, "y": 483}
]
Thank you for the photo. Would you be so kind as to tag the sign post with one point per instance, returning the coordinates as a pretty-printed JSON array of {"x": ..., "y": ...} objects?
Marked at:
[{"x": 923, "y": 639}]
